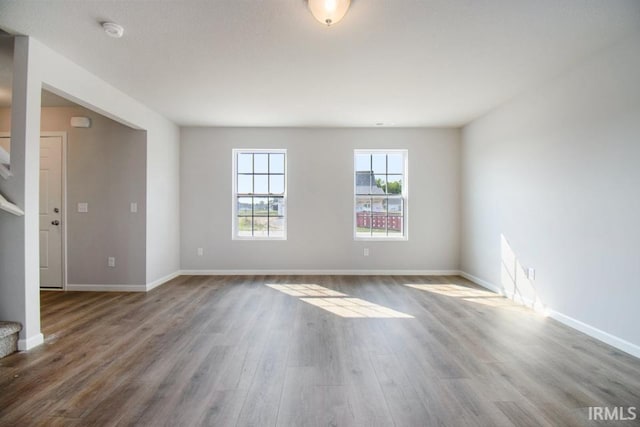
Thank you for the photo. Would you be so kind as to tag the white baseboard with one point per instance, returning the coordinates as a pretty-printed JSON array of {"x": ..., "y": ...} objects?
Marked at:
[
  {"x": 162, "y": 280},
  {"x": 612, "y": 340},
  {"x": 596, "y": 333},
  {"x": 483, "y": 283},
  {"x": 107, "y": 288},
  {"x": 122, "y": 287},
  {"x": 31, "y": 342},
  {"x": 320, "y": 272}
]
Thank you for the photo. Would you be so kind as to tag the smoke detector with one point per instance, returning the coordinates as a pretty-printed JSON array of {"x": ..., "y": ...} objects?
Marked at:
[{"x": 113, "y": 30}]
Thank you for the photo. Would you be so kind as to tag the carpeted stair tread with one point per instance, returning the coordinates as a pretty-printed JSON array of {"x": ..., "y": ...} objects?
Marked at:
[
  {"x": 8, "y": 328},
  {"x": 9, "y": 337}
]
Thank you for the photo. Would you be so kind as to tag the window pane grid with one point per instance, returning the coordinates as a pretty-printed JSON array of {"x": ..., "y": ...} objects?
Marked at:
[
  {"x": 273, "y": 208},
  {"x": 260, "y": 202},
  {"x": 380, "y": 201},
  {"x": 377, "y": 216}
]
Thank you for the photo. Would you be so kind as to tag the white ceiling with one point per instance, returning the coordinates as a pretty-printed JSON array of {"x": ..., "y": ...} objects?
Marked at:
[{"x": 269, "y": 63}]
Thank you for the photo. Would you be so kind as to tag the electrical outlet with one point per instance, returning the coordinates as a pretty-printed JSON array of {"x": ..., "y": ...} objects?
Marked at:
[
  {"x": 531, "y": 273},
  {"x": 366, "y": 252},
  {"x": 83, "y": 207},
  {"x": 111, "y": 261},
  {"x": 200, "y": 251}
]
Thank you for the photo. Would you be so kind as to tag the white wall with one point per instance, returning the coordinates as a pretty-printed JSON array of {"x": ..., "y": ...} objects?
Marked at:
[
  {"x": 557, "y": 172},
  {"x": 37, "y": 66},
  {"x": 163, "y": 201},
  {"x": 66, "y": 78},
  {"x": 106, "y": 167},
  {"x": 19, "y": 267},
  {"x": 320, "y": 200}
]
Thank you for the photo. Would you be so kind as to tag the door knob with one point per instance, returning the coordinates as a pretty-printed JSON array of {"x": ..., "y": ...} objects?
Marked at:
[{"x": 55, "y": 222}]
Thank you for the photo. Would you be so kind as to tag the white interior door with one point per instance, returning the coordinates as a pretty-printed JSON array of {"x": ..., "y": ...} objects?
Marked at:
[{"x": 51, "y": 212}]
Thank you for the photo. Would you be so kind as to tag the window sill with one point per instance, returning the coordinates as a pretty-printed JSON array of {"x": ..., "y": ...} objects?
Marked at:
[
  {"x": 381, "y": 239},
  {"x": 251, "y": 239}
]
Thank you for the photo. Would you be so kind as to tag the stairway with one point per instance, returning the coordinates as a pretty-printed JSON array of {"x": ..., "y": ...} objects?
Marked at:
[{"x": 9, "y": 337}]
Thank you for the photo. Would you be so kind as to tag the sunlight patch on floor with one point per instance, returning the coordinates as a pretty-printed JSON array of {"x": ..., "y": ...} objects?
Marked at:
[
  {"x": 307, "y": 291},
  {"x": 451, "y": 290},
  {"x": 500, "y": 302},
  {"x": 475, "y": 295},
  {"x": 355, "y": 308},
  {"x": 339, "y": 303}
]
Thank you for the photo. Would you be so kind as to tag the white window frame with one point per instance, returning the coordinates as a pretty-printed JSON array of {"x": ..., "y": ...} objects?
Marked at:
[
  {"x": 405, "y": 196},
  {"x": 234, "y": 192}
]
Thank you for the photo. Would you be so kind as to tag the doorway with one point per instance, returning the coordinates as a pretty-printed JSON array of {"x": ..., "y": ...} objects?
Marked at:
[
  {"x": 52, "y": 210},
  {"x": 52, "y": 207}
]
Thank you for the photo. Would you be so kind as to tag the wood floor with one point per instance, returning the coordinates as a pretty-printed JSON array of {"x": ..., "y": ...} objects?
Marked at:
[{"x": 348, "y": 351}]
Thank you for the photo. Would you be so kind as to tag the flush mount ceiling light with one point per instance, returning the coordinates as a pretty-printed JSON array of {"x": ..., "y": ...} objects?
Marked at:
[
  {"x": 329, "y": 12},
  {"x": 112, "y": 29}
]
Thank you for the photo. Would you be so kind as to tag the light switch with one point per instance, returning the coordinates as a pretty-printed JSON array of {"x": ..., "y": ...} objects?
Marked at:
[
  {"x": 83, "y": 207},
  {"x": 134, "y": 207}
]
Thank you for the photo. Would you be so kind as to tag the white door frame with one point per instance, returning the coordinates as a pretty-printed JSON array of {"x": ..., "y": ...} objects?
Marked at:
[{"x": 63, "y": 136}]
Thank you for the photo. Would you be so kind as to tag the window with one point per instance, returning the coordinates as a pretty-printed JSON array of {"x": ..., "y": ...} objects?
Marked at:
[
  {"x": 380, "y": 188},
  {"x": 259, "y": 194}
]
